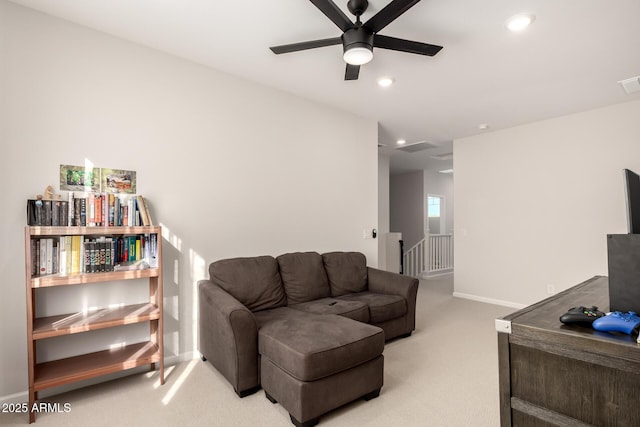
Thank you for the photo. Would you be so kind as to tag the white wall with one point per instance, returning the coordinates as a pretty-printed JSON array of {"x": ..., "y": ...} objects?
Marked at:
[
  {"x": 230, "y": 168},
  {"x": 534, "y": 203},
  {"x": 383, "y": 208},
  {"x": 406, "y": 195}
]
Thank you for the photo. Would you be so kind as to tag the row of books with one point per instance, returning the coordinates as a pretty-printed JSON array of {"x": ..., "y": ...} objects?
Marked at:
[
  {"x": 66, "y": 255},
  {"x": 90, "y": 210}
]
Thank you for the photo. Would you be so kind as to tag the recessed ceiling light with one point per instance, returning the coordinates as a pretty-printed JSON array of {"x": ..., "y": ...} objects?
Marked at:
[
  {"x": 385, "y": 81},
  {"x": 483, "y": 126},
  {"x": 401, "y": 142},
  {"x": 520, "y": 21}
]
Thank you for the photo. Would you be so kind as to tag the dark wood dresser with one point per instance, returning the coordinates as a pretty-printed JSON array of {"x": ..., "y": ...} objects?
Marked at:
[{"x": 552, "y": 374}]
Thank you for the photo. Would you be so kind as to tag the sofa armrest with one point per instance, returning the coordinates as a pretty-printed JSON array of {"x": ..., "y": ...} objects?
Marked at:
[
  {"x": 386, "y": 282},
  {"x": 228, "y": 336}
]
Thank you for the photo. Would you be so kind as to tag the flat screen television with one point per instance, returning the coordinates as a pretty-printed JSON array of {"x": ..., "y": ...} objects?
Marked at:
[{"x": 632, "y": 193}]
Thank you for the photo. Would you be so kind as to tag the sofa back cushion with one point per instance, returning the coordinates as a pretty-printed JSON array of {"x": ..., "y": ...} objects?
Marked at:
[
  {"x": 255, "y": 281},
  {"x": 347, "y": 272},
  {"x": 303, "y": 277}
]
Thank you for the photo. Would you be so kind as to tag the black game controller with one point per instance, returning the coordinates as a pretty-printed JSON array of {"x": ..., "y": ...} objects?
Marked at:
[{"x": 581, "y": 315}]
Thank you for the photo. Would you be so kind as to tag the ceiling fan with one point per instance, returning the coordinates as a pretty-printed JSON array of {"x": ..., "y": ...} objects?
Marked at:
[{"x": 358, "y": 39}]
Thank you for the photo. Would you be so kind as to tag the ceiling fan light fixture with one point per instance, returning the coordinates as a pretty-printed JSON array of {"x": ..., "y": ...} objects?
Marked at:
[
  {"x": 358, "y": 55},
  {"x": 358, "y": 46}
]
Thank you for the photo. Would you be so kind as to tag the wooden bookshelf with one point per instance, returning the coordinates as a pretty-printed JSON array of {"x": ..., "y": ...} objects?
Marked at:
[{"x": 44, "y": 375}]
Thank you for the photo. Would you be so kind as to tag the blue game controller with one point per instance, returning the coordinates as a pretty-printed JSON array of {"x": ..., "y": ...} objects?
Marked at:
[{"x": 618, "y": 321}]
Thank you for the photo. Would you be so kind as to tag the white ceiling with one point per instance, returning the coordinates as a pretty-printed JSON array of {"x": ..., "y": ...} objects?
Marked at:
[{"x": 569, "y": 60}]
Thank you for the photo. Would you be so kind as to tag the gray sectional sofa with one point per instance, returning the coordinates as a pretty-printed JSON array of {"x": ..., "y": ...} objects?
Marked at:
[{"x": 307, "y": 328}]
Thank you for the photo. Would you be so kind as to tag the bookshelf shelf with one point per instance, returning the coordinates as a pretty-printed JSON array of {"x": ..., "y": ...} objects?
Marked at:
[
  {"x": 88, "y": 231},
  {"x": 43, "y": 375},
  {"x": 72, "y": 323},
  {"x": 91, "y": 365},
  {"x": 81, "y": 278}
]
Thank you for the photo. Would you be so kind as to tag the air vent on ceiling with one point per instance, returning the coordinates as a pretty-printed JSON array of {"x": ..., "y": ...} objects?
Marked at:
[
  {"x": 631, "y": 85},
  {"x": 418, "y": 146},
  {"x": 444, "y": 156}
]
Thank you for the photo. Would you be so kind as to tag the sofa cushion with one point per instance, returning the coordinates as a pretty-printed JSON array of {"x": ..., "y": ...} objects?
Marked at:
[
  {"x": 382, "y": 307},
  {"x": 352, "y": 309},
  {"x": 347, "y": 272},
  {"x": 265, "y": 317},
  {"x": 303, "y": 277},
  {"x": 255, "y": 281},
  {"x": 312, "y": 347}
]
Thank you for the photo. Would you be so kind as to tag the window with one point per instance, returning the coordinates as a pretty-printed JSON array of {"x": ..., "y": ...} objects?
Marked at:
[{"x": 433, "y": 207}]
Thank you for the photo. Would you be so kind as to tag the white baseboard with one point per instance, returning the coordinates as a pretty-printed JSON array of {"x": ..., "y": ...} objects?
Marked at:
[
  {"x": 436, "y": 275},
  {"x": 489, "y": 300},
  {"x": 14, "y": 398}
]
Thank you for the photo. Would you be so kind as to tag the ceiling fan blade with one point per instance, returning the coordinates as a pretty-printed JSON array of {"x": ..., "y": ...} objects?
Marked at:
[
  {"x": 352, "y": 72},
  {"x": 392, "y": 43},
  {"x": 388, "y": 14},
  {"x": 294, "y": 47},
  {"x": 334, "y": 13}
]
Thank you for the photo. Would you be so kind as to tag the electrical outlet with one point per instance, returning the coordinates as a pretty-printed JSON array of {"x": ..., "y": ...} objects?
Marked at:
[
  {"x": 551, "y": 289},
  {"x": 366, "y": 233}
]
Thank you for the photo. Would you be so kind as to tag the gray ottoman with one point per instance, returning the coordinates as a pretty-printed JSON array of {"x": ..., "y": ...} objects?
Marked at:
[{"x": 312, "y": 365}]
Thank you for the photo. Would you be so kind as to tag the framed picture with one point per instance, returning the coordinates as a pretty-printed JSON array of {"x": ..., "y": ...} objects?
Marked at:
[
  {"x": 79, "y": 178},
  {"x": 118, "y": 181}
]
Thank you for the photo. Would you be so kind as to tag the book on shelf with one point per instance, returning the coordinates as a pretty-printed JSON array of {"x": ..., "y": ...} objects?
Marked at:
[
  {"x": 144, "y": 210},
  {"x": 62, "y": 254},
  {"x": 35, "y": 212},
  {"x": 83, "y": 212},
  {"x": 111, "y": 207},
  {"x": 71, "y": 209},
  {"x": 68, "y": 245},
  {"x": 76, "y": 254},
  {"x": 49, "y": 255},
  {"x": 47, "y": 212},
  {"x": 42, "y": 261},
  {"x": 89, "y": 259},
  {"x": 76, "y": 242},
  {"x": 98, "y": 210},
  {"x": 55, "y": 212},
  {"x": 34, "y": 260},
  {"x": 60, "y": 212},
  {"x": 90, "y": 209},
  {"x": 45, "y": 256}
]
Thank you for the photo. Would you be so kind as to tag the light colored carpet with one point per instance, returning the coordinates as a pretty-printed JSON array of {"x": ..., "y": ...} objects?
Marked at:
[{"x": 445, "y": 374}]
